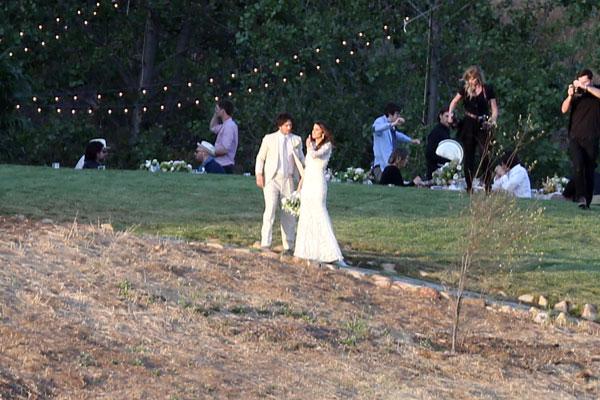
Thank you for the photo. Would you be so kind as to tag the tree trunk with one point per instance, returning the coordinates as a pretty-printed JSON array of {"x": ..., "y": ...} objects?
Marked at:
[
  {"x": 434, "y": 66},
  {"x": 146, "y": 74}
]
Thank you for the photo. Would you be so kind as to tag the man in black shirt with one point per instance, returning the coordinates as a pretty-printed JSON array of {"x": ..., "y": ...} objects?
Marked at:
[
  {"x": 583, "y": 99},
  {"x": 440, "y": 132}
]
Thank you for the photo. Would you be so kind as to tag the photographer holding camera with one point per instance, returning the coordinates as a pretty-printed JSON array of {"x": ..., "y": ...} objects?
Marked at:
[
  {"x": 475, "y": 129},
  {"x": 583, "y": 100}
]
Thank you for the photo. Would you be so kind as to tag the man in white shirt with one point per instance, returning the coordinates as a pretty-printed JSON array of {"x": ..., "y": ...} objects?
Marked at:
[
  {"x": 386, "y": 138},
  {"x": 511, "y": 176},
  {"x": 278, "y": 165}
]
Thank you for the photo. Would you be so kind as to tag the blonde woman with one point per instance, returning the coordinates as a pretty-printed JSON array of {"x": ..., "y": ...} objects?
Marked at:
[{"x": 475, "y": 129}]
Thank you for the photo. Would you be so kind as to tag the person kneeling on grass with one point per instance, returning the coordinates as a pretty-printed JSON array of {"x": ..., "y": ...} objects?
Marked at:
[
  {"x": 511, "y": 176},
  {"x": 205, "y": 154},
  {"x": 391, "y": 175}
]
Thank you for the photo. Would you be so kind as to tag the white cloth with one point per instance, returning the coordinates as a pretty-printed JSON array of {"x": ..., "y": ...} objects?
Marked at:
[
  {"x": 316, "y": 239},
  {"x": 278, "y": 184},
  {"x": 515, "y": 181},
  {"x": 79, "y": 164}
]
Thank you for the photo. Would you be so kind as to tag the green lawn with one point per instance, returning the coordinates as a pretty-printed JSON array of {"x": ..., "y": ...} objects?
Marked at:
[{"x": 415, "y": 228}]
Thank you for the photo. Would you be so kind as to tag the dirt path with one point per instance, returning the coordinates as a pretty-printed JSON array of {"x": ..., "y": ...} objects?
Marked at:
[{"x": 90, "y": 313}]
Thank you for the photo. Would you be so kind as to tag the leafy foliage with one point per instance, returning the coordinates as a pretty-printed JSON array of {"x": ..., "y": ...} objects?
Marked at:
[{"x": 529, "y": 50}]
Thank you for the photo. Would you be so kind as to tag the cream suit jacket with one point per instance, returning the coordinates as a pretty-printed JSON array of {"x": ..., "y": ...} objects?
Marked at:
[{"x": 267, "y": 159}]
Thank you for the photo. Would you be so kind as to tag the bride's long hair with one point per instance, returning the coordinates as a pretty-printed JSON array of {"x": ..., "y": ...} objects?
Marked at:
[
  {"x": 327, "y": 135},
  {"x": 473, "y": 72}
]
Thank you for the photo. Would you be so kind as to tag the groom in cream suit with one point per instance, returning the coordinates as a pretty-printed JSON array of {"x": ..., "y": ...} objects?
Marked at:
[{"x": 276, "y": 173}]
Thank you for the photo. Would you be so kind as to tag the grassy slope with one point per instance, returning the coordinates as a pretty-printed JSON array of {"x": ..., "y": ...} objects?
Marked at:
[{"x": 417, "y": 229}]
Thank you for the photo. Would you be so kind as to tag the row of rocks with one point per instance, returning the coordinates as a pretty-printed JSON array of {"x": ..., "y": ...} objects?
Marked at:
[{"x": 589, "y": 311}]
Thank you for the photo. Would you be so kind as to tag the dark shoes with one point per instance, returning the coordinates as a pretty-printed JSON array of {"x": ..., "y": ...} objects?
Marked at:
[{"x": 582, "y": 203}]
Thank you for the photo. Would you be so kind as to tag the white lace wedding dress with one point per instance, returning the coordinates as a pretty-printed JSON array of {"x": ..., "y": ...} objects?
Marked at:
[{"x": 315, "y": 239}]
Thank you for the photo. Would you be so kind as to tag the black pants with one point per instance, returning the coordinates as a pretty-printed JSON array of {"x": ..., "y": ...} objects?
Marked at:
[
  {"x": 583, "y": 156},
  {"x": 228, "y": 169},
  {"x": 475, "y": 139}
]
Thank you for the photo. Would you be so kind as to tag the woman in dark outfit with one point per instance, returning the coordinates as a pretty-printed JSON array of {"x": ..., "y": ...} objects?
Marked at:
[
  {"x": 391, "y": 175},
  {"x": 475, "y": 133}
]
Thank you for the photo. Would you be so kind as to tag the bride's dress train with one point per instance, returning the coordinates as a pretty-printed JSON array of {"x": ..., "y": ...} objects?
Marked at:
[{"x": 315, "y": 239}]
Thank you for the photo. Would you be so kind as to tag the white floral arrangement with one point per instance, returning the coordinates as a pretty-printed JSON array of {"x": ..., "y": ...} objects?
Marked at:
[
  {"x": 554, "y": 184},
  {"x": 166, "y": 166},
  {"x": 352, "y": 175},
  {"x": 448, "y": 174},
  {"x": 291, "y": 205}
]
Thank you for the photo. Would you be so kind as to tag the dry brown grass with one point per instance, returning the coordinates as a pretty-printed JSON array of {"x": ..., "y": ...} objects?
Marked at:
[{"x": 90, "y": 313}]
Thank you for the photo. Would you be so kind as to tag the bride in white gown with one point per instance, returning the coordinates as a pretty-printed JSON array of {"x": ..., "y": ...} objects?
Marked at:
[{"x": 315, "y": 239}]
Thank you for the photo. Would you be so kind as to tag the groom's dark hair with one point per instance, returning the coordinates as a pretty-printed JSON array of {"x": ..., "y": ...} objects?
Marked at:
[{"x": 284, "y": 117}]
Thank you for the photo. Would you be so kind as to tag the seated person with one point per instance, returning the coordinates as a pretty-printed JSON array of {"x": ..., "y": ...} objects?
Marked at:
[
  {"x": 205, "y": 154},
  {"x": 440, "y": 132},
  {"x": 511, "y": 176},
  {"x": 95, "y": 154},
  {"x": 391, "y": 174},
  {"x": 79, "y": 164}
]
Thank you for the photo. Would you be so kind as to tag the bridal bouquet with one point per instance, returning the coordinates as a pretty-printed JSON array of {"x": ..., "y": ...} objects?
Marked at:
[
  {"x": 448, "y": 173},
  {"x": 166, "y": 166},
  {"x": 554, "y": 184},
  {"x": 352, "y": 175},
  {"x": 291, "y": 205}
]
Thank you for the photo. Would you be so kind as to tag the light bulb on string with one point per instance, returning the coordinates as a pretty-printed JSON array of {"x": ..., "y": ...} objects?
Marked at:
[
  {"x": 230, "y": 94},
  {"x": 75, "y": 98},
  {"x": 10, "y": 53},
  {"x": 56, "y": 98},
  {"x": 85, "y": 22},
  {"x": 26, "y": 49},
  {"x": 58, "y": 110},
  {"x": 21, "y": 34},
  {"x": 18, "y": 106},
  {"x": 99, "y": 96},
  {"x": 165, "y": 88},
  {"x": 360, "y": 34},
  {"x": 73, "y": 112},
  {"x": 57, "y": 36},
  {"x": 125, "y": 110},
  {"x": 39, "y": 110},
  {"x": 255, "y": 70},
  {"x": 34, "y": 98},
  {"x": 43, "y": 43},
  {"x": 144, "y": 109},
  {"x": 368, "y": 44},
  {"x": 144, "y": 91},
  {"x": 94, "y": 13},
  {"x": 317, "y": 50},
  {"x": 233, "y": 75},
  {"x": 66, "y": 27},
  {"x": 120, "y": 94},
  {"x": 211, "y": 80},
  {"x": 284, "y": 80},
  {"x": 41, "y": 27},
  {"x": 388, "y": 37},
  {"x": 344, "y": 43},
  {"x": 162, "y": 107},
  {"x": 277, "y": 63},
  {"x": 98, "y": 4},
  {"x": 385, "y": 27},
  {"x": 197, "y": 102},
  {"x": 90, "y": 111},
  {"x": 109, "y": 111},
  {"x": 78, "y": 12},
  {"x": 295, "y": 56},
  {"x": 351, "y": 52},
  {"x": 250, "y": 90},
  {"x": 318, "y": 67},
  {"x": 189, "y": 84},
  {"x": 179, "y": 104},
  {"x": 301, "y": 74},
  {"x": 116, "y": 5},
  {"x": 266, "y": 85},
  {"x": 216, "y": 98},
  {"x": 337, "y": 60},
  {"x": 57, "y": 19}
]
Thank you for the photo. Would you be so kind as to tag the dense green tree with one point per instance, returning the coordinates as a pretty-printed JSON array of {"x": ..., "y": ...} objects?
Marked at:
[{"x": 335, "y": 57}]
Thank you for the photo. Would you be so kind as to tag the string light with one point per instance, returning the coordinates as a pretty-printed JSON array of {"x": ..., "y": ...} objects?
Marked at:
[
  {"x": 43, "y": 43},
  {"x": 266, "y": 85},
  {"x": 351, "y": 52},
  {"x": 337, "y": 60},
  {"x": 57, "y": 36},
  {"x": 233, "y": 75},
  {"x": 249, "y": 90},
  {"x": 295, "y": 56},
  {"x": 255, "y": 70},
  {"x": 144, "y": 91},
  {"x": 109, "y": 111},
  {"x": 75, "y": 98},
  {"x": 179, "y": 104},
  {"x": 318, "y": 67},
  {"x": 229, "y": 94},
  {"x": 317, "y": 50},
  {"x": 34, "y": 98},
  {"x": 57, "y": 19},
  {"x": 144, "y": 109},
  {"x": 125, "y": 110},
  {"x": 40, "y": 27},
  {"x": 277, "y": 64},
  {"x": 162, "y": 107},
  {"x": 99, "y": 96},
  {"x": 198, "y": 101},
  {"x": 344, "y": 43},
  {"x": 189, "y": 84},
  {"x": 120, "y": 94},
  {"x": 21, "y": 34},
  {"x": 73, "y": 112},
  {"x": 56, "y": 99},
  {"x": 211, "y": 80},
  {"x": 25, "y": 49},
  {"x": 301, "y": 74},
  {"x": 39, "y": 110},
  {"x": 18, "y": 106},
  {"x": 216, "y": 98},
  {"x": 90, "y": 111},
  {"x": 284, "y": 80},
  {"x": 165, "y": 88},
  {"x": 58, "y": 110}
]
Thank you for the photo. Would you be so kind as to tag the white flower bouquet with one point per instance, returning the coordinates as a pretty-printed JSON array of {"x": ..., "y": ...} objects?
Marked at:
[
  {"x": 352, "y": 175},
  {"x": 166, "y": 166},
  {"x": 152, "y": 166},
  {"x": 291, "y": 205},
  {"x": 448, "y": 174},
  {"x": 554, "y": 184}
]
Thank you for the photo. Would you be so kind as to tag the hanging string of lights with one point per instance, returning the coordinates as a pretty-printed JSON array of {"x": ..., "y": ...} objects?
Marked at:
[{"x": 79, "y": 103}]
